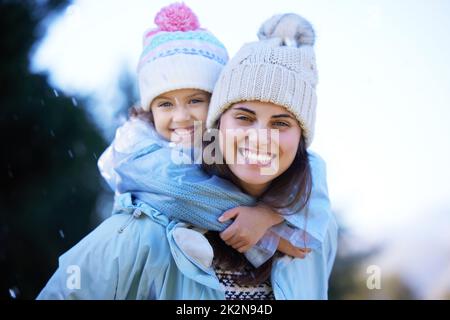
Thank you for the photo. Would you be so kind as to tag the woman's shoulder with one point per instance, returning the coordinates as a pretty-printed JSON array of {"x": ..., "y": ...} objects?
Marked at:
[{"x": 316, "y": 161}]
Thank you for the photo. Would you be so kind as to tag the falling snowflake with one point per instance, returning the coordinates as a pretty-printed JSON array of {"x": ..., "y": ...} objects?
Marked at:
[{"x": 13, "y": 292}]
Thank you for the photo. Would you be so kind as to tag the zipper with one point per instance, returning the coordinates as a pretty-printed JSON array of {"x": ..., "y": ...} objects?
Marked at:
[{"x": 136, "y": 214}]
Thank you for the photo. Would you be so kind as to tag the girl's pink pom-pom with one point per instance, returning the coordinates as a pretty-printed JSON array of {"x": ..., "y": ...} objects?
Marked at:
[{"x": 177, "y": 17}]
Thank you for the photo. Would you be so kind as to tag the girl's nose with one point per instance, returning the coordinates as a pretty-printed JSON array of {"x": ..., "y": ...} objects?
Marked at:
[{"x": 181, "y": 113}]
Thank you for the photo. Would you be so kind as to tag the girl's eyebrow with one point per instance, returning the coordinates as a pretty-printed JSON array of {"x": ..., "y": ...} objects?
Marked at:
[
  {"x": 162, "y": 98},
  {"x": 189, "y": 96},
  {"x": 197, "y": 94}
]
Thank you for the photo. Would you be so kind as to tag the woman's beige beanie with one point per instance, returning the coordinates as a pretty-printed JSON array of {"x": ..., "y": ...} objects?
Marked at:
[{"x": 280, "y": 68}]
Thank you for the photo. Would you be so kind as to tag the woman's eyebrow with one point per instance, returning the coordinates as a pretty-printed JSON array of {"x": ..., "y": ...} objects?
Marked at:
[
  {"x": 245, "y": 109},
  {"x": 284, "y": 115}
]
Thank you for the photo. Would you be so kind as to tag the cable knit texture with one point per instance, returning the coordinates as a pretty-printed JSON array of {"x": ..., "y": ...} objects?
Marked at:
[{"x": 280, "y": 68}]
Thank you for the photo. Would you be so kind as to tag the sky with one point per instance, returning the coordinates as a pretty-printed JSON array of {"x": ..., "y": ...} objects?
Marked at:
[{"x": 383, "y": 109}]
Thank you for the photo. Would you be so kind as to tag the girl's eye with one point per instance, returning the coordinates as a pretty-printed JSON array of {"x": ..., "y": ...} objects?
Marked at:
[
  {"x": 165, "y": 104},
  {"x": 194, "y": 101}
]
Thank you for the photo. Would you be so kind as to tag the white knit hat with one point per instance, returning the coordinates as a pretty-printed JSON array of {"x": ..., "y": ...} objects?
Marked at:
[
  {"x": 280, "y": 68},
  {"x": 178, "y": 54}
]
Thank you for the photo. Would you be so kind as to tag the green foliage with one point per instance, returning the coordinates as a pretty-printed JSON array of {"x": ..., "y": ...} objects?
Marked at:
[{"x": 49, "y": 178}]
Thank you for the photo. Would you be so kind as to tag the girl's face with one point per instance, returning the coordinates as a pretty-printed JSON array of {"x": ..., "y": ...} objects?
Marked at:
[
  {"x": 273, "y": 149},
  {"x": 174, "y": 113}
]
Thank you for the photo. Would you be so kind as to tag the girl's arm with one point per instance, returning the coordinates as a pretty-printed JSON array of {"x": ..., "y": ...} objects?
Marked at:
[
  {"x": 251, "y": 228},
  {"x": 308, "y": 227},
  {"x": 286, "y": 247}
]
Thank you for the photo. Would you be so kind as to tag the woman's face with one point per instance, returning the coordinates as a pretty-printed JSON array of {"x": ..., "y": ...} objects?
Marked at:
[
  {"x": 175, "y": 112},
  {"x": 256, "y": 156}
]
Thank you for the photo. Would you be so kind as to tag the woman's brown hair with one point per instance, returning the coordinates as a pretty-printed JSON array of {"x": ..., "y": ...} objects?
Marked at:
[{"x": 291, "y": 190}]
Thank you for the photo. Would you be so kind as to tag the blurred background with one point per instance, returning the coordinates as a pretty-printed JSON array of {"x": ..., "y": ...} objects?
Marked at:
[{"x": 67, "y": 78}]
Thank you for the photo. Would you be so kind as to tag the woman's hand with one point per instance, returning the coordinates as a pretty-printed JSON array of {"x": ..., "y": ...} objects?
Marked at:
[
  {"x": 249, "y": 226},
  {"x": 286, "y": 247}
]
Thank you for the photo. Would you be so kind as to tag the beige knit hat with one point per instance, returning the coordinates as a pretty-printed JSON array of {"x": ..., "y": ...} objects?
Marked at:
[{"x": 280, "y": 68}]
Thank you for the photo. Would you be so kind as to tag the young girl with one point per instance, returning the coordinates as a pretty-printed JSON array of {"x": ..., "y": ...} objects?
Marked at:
[{"x": 142, "y": 251}]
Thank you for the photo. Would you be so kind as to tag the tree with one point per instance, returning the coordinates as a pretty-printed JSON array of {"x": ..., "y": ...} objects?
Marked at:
[{"x": 50, "y": 181}]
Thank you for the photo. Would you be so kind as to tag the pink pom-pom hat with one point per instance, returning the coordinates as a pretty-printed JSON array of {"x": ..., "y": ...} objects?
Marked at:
[
  {"x": 177, "y": 17},
  {"x": 178, "y": 54}
]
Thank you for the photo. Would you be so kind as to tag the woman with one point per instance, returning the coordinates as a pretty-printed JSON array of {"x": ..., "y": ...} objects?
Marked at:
[{"x": 249, "y": 98}]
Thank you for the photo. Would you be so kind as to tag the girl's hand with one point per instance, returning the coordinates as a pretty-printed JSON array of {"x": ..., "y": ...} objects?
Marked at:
[
  {"x": 286, "y": 247},
  {"x": 249, "y": 226}
]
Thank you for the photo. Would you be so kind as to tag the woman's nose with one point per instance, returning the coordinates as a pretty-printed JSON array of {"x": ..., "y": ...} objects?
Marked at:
[{"x": 263, "y": 136}]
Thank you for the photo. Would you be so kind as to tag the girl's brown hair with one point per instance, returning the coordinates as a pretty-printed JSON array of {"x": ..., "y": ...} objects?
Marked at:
[
  {"x": 137, "y": 112},
  {"x": 291, "y": 190}
]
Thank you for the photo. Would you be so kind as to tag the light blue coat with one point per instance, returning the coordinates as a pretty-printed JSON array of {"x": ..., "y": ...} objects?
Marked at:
[{"x": 133, "y": 255}]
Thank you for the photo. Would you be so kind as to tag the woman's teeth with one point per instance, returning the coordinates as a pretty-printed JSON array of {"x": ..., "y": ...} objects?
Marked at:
[{"x": 254, "y": 157}]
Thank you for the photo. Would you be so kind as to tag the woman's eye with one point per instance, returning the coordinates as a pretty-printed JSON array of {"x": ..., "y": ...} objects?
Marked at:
[
  {"x": 165, "y": 104},
  {"x": 194, "y": 101},
  {"x": 243, "y": 118},
  {"x": 281, "y": 124}
]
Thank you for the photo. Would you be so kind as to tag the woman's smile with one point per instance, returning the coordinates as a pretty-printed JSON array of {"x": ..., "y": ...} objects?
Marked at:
[{"x": 253, "y": 157}]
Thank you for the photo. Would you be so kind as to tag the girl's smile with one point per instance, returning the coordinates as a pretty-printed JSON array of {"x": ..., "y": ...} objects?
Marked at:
[
  {"x": 183, "y": 131},
  {"x": 176, "y": 112}
]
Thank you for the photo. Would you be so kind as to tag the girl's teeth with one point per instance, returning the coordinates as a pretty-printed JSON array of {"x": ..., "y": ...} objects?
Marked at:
[{"x": 183, "y": 131}]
